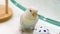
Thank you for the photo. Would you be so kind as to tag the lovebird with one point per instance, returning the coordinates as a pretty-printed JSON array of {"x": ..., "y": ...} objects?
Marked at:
[{"x": 29, "y": 19}]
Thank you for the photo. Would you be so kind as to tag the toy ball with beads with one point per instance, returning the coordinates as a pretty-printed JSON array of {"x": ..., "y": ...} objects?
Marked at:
[{"x": 41, "y": 30}]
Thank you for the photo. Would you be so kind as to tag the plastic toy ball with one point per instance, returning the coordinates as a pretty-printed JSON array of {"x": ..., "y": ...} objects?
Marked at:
[{"x": 41, "y": 30}]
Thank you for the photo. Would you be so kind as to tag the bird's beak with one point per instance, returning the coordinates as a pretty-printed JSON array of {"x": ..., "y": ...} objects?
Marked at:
[{"x": 35, "y": 14}]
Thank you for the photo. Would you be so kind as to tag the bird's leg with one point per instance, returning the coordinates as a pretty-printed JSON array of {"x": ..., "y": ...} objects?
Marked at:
[{"x": 27, "y": 31}]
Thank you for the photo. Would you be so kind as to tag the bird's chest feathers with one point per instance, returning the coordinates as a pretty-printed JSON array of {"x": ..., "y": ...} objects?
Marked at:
[{"x": 29, "y": 20}]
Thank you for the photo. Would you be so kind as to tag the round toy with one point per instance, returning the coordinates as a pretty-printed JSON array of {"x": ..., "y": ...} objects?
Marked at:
[{"x": 41, "y": 30}]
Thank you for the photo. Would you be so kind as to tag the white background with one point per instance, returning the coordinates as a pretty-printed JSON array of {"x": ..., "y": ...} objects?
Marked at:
[{"x": 47, "y": 8}]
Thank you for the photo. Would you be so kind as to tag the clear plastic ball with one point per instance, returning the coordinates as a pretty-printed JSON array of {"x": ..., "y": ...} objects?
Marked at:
[{"x": 41, "y": 30}]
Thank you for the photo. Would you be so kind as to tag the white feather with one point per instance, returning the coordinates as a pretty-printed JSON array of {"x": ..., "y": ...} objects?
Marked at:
[{"x": 27, "y": 20}]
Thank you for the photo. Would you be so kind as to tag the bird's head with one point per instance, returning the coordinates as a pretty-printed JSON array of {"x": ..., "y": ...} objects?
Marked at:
[{"x": 32, "y": 12}]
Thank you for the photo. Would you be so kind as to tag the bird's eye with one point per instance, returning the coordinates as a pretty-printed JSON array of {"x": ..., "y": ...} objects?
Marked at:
[{"x": 30, "y": 10}]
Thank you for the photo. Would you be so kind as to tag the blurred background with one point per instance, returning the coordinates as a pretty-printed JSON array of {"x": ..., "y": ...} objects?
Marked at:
[{"x": 47, "y": 8}]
